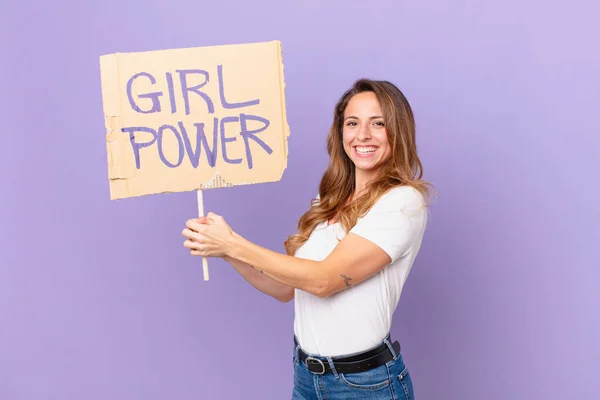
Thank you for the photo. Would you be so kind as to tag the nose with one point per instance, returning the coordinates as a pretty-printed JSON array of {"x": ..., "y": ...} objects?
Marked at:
[{"x": 364, "y": 132}]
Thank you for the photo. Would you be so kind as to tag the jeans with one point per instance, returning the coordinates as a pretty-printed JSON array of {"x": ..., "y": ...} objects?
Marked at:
[{"x": 390, "y": 381}]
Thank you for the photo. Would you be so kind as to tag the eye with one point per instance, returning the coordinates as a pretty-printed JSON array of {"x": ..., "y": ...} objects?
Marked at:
[
  {"x": 351, "y": 123},
  {"x": 379, "y": 123}
]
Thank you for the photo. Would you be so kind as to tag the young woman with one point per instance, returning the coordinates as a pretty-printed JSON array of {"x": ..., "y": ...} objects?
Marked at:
[{"x": 355, "y": 246}]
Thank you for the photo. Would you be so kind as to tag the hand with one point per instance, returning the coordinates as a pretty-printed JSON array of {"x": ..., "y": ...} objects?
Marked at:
[{"x": 208, "y": 236}]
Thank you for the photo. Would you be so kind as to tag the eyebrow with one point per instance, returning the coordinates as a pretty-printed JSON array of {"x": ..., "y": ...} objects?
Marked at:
[{"x": 353, "y": 117}]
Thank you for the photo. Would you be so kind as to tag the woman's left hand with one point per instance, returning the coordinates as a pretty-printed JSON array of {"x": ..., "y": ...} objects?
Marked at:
[{"x": 208, "y": 236}]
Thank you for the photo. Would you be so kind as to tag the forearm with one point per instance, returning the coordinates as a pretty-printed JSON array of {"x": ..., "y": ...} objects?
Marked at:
[
  {"x": 287, "y": 270},
  {"x": 261, "y": 281}
]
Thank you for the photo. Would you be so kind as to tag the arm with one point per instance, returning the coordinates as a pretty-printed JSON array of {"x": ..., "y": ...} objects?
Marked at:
[
  {"x": 382, "y": 236},
  {"x": 262, "y": 282},
  {"x": 379, "y": 238},
  {"x": 352, "y": 261}
]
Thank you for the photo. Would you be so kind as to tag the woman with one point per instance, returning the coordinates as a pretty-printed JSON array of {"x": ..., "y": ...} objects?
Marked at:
[{"x": 354, "y": 248}]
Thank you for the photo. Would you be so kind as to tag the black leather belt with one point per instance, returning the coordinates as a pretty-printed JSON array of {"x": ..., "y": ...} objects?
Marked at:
[{"x": 349, "y": 364}]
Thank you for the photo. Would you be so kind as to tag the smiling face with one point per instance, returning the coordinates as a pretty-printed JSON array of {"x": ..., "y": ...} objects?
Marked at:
[{"x": 365, "y": 138}]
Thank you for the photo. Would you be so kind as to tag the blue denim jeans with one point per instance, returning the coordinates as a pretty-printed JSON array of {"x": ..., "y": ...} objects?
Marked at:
[{"x": 390, "y": 381}]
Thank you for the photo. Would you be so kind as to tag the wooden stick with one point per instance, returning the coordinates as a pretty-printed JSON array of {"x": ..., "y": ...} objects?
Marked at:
[{"x": 201, "y": 214}]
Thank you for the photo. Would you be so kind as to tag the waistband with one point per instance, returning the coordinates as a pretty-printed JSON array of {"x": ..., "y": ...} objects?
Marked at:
[{"x": 357, "y": 362}]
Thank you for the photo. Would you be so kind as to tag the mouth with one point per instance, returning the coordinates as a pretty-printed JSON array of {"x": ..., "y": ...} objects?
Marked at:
[{"x": 365, "y": 151}]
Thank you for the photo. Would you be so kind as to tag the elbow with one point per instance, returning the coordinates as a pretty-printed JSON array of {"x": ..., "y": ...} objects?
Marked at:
[
  {"x": 326, "y": 292},
  {"x": 323, "y": 285},
  {"x": 286, "y": 296},
  {"x": 326, "y": 283},
  {"x": 322, "y": 293},
  {"x": 328, "y": 287},
  {"x": 323, "y": 289}
]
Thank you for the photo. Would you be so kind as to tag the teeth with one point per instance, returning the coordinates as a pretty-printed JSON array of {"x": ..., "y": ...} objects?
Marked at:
[{"x": 366, "y": 150}]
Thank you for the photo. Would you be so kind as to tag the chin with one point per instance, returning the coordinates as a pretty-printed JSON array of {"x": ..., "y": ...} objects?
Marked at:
[{"x": 365, "y": 166}]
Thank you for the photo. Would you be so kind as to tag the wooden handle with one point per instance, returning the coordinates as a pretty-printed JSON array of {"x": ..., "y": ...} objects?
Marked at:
[{"x": 200, "y": 214}]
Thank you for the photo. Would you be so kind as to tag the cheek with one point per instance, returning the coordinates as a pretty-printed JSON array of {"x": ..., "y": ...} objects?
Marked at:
[
  {"x": 383, "y": 139},
  {"x": 346, "y": 138}
]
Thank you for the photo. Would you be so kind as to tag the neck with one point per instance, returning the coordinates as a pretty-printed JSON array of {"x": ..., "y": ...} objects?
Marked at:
[{"x": 361, "y": 179}]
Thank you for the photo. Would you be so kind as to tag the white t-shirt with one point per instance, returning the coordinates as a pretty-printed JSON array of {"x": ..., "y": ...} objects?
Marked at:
[{"x": 359, "y": 317}]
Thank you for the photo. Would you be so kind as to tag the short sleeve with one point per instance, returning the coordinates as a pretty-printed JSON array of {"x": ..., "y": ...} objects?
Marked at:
[{"x": 395, "y": 222}]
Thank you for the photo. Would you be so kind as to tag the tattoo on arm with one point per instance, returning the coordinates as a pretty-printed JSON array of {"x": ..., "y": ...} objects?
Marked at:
[{"x": 346, "y": 279}]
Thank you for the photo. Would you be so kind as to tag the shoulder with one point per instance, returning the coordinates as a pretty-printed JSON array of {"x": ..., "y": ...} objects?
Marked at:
[
  {"x": 396, "y": 222},
  {"x": 403, "y": 193},
  {"x": 401, "y": 198}
]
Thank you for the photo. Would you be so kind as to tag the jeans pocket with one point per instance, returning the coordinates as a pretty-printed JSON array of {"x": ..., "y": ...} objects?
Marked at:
[
  {"x": 374, "y": 379},
  {"x": 406, "y": 383}
]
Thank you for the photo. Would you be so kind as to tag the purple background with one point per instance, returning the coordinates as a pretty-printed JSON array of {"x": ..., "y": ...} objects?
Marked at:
[{"x": 99, "y": 299}]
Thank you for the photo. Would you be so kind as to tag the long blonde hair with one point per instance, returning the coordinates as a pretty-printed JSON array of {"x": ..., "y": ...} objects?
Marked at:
[{"x": 338, "y": 184}]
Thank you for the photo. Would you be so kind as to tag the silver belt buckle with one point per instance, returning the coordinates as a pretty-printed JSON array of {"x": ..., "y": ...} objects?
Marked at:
[{"x": 317, "y": 361}]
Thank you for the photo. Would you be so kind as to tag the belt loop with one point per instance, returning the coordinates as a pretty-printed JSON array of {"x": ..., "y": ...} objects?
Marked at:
[
  {"x": 330, "y": 362},
  {"x": 389, "y": 345},
  {"x": 296, "y": 351},
  {"x": 296, "y": 355}
]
